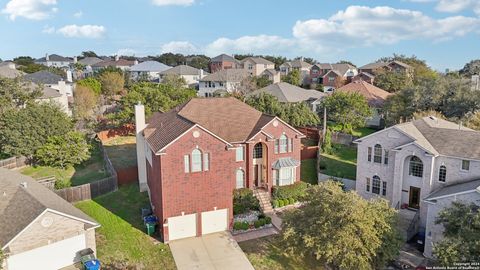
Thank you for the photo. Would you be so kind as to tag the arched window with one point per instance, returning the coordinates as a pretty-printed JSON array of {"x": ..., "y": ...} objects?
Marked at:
[
  {"x": 240, "y": 178},
  {"x": 283, "y": 143},
  {"x": 376, "y": 184},
  {"x": 442, "y": 173},
  {"x": 258, "y": 150},
  {"x": 196, "y": 160},
  {"x": 377, "y": 153},
  {"x": 416, "y": 167}
]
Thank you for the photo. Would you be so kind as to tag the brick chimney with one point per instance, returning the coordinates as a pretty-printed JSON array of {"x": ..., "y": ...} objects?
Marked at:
[{"x": 141, "y": 162}]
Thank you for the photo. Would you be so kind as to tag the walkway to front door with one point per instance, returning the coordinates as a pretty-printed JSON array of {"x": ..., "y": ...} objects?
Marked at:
[{"x": 212, "y": 251}]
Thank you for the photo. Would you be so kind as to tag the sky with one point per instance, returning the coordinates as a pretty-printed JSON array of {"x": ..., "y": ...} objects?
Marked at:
[{"x": 445, "y": 33}]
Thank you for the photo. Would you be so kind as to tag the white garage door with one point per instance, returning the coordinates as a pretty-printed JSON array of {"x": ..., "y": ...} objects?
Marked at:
[
  {"x": 53, "y": 256},
  {"x": 214, "y": 221},
  {"x": 182, "y": 227}
]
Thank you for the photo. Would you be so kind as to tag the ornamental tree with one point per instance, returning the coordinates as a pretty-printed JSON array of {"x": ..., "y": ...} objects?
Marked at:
[{"x": 350, "y": 110}]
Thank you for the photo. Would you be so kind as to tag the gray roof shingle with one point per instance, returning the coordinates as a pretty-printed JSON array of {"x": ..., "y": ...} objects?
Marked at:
[
  {"x": 227, "y": 75},
  {"x": 54, "y": 58},
  {"x": 182, "y": 70},
  {"x": 43, "y": 77},
  {"x": 20, "y": 206},
  {"x": 224, "y": 58},
  {"x": 286, "y": 92},
  {"x": 90, "y": 61},
  {"x": 149, "y": 66},
  {"x": 455, "y": 189}
]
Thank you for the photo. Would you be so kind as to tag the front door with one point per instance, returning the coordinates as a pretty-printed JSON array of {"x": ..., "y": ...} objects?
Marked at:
[
  {"x": 258, "y": 175},
  {"x": 414, "y": 199}
]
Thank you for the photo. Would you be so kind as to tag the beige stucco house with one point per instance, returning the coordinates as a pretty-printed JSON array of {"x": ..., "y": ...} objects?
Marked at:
[
  {"x": 422, "y": 166},
  {"x": 256, "y": 65},
  {"x": 39, "y": 229}
]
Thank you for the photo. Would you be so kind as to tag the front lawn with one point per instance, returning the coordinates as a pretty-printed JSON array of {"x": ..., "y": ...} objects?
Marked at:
[
  {"x": 89, "y": 171},
  {"x": 121, "y": 238},
  {"x": 121, "y": 151},
  {"x": 308, "y": 171},
  {"x": 341, "y": 163},
  {"x": 268, "y": 253}
]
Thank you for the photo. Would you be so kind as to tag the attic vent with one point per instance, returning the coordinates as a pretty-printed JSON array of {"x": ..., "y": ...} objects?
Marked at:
[{"x": 23, "y": 184}]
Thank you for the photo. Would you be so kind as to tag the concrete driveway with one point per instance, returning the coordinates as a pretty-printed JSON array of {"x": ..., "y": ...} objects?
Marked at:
[{"x": 214, "y": 251}]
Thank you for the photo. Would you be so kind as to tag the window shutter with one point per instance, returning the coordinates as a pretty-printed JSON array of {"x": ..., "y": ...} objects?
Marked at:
[
  {"x": 206, "y": 162},
  {"x": 186, "y": 162},
  {"x": 290, "y": 145},
  {"x": 276, "y": 147},
  {"x": 369, "y": 158}
]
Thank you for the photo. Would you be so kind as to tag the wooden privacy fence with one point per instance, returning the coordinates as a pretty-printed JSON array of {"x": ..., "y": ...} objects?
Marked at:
[
  {"x": 308, "y": 152},
  {"x": 88, "y": 191},
  {"x": 48, "y": 181},
  {"x": 13, "y": 162}
]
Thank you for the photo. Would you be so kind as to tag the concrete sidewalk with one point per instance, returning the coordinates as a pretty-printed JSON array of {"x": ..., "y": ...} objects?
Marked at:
[{"x": 213, "y": 252}]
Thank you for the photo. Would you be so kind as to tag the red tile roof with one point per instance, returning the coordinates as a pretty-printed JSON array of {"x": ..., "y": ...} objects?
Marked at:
[{"x": 375, "y": 96}]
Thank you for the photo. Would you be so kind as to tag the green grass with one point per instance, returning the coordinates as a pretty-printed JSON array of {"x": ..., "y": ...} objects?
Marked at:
[
  {"x": 308, "y": 171},
  {"x": 121, "y": 151},
  {"x": 362, "y": 132},
  {"x": 341, "y": 163},
  {"x": 268, "y": 253},
  {"x": 87, "y": 172},
  {"x": 121, "y": 237}
]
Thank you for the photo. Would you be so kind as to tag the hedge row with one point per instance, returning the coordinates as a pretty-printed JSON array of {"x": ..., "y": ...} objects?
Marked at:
[
  {"x": 282, "y": 202},
  {"x": 296, "y": 191},
  {"x": 243, "y": 226}
]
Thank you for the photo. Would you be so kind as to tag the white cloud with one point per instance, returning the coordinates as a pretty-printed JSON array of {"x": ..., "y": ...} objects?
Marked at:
[
  {"x": 126, "y": 52},
  {"x": 173, "y": 2},
  {"x": 454, "y": 6},
  {"x": 30, "y": 9},
  {"x": 82, "y": 31},
  {"x": 78, "y": 14},
  {"x": 259, "y": 44},
  {"x": 183, "y": 47}
]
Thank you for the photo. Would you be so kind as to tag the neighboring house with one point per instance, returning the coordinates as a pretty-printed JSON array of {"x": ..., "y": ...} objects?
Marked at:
[
  {"x": 298, "y": 64},
  {"x": 364, "y": 76},
  {"x": 9, "y": 70},
  {"x": 54, "y": 60},
  {"x": 190, "y": 74},
  {"x": 396, "y": 66},
  {"x": 192, "y": 157},
  {"x": 222, "y": 62},
  {"x": 122, "y": 64},
  {"x": 288, "y": 93},
  {"x": 149, "y": 70},
  {"x": 256, "y": 65},
  {"x": 39, "y": 229},
  {"x": 88, "y": 62},
  {"x": 221, "y": 82},
  {"x": 422, "y": 165},
  {"x": 375, "y": 97},
  {"x": 54, "y": 81},
  {"x": 272, "y": 75},
  {"x": 331, "y": 75}
]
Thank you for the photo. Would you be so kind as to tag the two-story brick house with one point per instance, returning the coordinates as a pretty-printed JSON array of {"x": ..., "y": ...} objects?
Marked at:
[
  {"x": 422, "y": 165},
  {"x": 222, "y": 62},
  {"x": 332, "y": 76},
  {"x": 192, "y": 157}
]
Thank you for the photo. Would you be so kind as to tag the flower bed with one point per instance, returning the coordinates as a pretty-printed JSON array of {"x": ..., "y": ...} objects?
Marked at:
[{"x": 250, "y": 221}]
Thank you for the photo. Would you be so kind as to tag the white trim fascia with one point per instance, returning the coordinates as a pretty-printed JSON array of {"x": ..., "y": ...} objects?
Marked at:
[
  {"x": 72, "y": 217},
  {"x": 414, "y": 143},
  {"x": 453, "y": 194}
]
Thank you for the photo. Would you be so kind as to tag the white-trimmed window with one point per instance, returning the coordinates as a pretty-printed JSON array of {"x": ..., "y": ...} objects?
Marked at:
[
  {"x": 368, "y": 184},
  {"x": 239, "y": 154},
  {"x": 258, "y": 151},
  {"x": 275, "y": 149},
  {"x": 385, "y": 158},
  {"x": 286, "y": 176},
  {"x": 465, "y": 165},
  {"x": 283, "y": 143},
  {"x": 377, "y": 153},
  {"x": 186, "y": 162},
  {"x": 240, "y": 178},
  {"x": 376, "y": 185},
  {"x": 369, "y": 157},
  {"x": 384, "y": 188},
  {"x": 196, "y": 160},
  {"x": 442, "y": 173},
  {"x": 416, "y": 167},
  {"x": 206, "y": 162}
]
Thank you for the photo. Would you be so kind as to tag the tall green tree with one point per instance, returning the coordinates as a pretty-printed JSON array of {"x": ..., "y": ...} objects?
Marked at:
[
  {"x": 89, "y": 54},
  {"x": 391, "y": 81},
  {"x": 342, "y": 230},
  {"x": 23, "y": 131},
  {"x": 63, "y": 150},
  {"x": 15, "y": 93},
  {"x": 293, "y": 78},
  {"x": 461, "y": 241},
  {"x": 350, "y": 110},
  {"x": 112, "y": 83}
]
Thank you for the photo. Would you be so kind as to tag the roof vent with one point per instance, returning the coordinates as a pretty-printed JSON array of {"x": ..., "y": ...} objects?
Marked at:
[
  {"x": 433, "y": 118},
  {"x": 4, "y": 194},
  {"x": 23, "y": 184}
]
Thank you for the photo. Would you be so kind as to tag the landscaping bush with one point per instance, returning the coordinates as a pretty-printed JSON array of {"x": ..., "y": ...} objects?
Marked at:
[
  {"x": 237, "y": 225},
  {"x": 261, "y": 215},
  {"x": 291, "y": 200},
  {"x": 257, "y": 224},
  {"x": 262, "y": 222},
  {"x": 275, "y": 203},
  {"x": 268, "y": 220},
  {"x": 296, "y": 191},
  {"x": 286, "y": 202},
  {"x": 244, "y": 201},
  {"x": 280, "y": 203},
  {"x": 245, "y": 226}
]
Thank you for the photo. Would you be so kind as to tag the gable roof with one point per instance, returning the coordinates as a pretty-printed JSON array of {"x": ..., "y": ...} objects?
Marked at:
[
  {"x": 43, "y": 77},
  {"x": 258, "y": 60},
  {"x": 228, "y": 118},
  {"x": 54, "y": 58},
  {"x": 341, "y": 68},
  {"x": 8, "y": 70},
  {"x": 286, "y": 92},
  {"x": 224, "y": 58},
  {"x": 227, "y": 75},
  {"x": 271, "y": 71},
  {"x": 375, "y": 96},
  {"x": 450, "y": 190},
  {"x": 149, "y": 66},
  {"x": 90, "y": 61},
  {"x": 298, "y": 63},
  {"x": 182, "y": 70},
  {"x": 20, "y": 206},
  {"x": 376, "y": 65}
]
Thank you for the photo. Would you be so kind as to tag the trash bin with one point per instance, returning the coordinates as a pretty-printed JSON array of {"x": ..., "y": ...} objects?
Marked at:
[
  {"x": 92, "y": 265},
  {"x": 150, "y": 219},
  {"x": 150, "y": 228}
]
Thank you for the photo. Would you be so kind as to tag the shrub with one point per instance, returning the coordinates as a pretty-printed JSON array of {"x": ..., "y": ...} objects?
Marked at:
[
  {"x": 262, "y": 222},
  {"x": 237, "y": 225},
  {"x": 275, "y": 203},
  {"x": 280, "y": 203},
  {"x": 244, "y": 201},
  {"x": 286, "y": 202},
  {"x": 257, "y": 224},
  {"x": 268, "y": 220},
  {"x": 261, "y": 215},
  {"x": 296, "y": 191},
  {"x": 245, "y": 226},
  {"x": 291, "y": 200}
]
